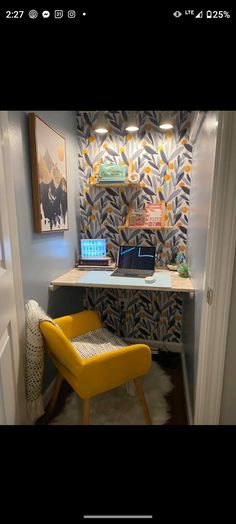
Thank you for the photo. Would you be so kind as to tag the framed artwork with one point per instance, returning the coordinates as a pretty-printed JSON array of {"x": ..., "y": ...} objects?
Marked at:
[
  {"x": 49, "y": 178},
  {"x": 155, "y": 214}
]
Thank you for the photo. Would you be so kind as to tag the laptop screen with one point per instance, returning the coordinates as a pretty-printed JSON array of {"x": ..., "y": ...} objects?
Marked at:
[
  {"x": 91, "y": 247},
  {"x": 136, "y": 257}
]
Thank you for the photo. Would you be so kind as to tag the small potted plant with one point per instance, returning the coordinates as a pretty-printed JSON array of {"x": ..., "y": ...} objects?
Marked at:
[
  {"x": 178, "y": 263},
  {"x": 176, "y": 259},
  {"x": 183, "y": 270}
]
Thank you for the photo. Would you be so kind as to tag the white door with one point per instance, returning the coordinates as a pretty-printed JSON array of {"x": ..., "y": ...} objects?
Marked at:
[
  {"x": 218, "y": 276},
  {"x": 11, "y": 372}
]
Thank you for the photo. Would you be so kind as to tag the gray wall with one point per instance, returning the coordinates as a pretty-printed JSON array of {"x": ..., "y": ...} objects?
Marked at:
[
  {"x": 45, "y": 256},
  {"x": 204, "y": 144},
  {"x": 228, "y": 403}
]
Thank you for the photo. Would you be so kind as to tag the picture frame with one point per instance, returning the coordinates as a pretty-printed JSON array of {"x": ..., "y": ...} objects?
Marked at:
[
  {"x": 49, "y": 177},
  {"x": 155, "y": 214},
  {"x": 137, "y": 218}
]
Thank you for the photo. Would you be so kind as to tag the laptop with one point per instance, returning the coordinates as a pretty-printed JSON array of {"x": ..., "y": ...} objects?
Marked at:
[{"x": 135, "y": 261}]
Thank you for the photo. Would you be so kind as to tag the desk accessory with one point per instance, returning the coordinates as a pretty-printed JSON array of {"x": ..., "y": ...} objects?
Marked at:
[
  {"x": 95, "y": 268},
  {"x": 172, "y": 267},
  {"x": 150, "y": 279},
  {"x": 109, "y": 173},
  {"x": 137, "y": 218},
  {"x": 133, "y": 177},
  {"x": 91, "y": 248},
  {"x": 105, "y": 279},
  {"x": 93, "y": 254},
  {"x": 93, "y": 261}
]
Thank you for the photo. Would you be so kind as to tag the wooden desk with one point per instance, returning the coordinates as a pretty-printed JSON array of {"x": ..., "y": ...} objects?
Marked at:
[{"x": 75, "y": 276}]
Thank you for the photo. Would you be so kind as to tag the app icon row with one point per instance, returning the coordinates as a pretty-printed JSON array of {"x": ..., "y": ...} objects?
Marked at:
[{"x": 58, "y": 13}]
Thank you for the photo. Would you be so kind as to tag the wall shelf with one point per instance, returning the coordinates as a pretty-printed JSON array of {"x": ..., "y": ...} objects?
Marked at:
[
  {"x": 115, "y": 184},
  {"x": 127, "y": 225},
  {"x": 145, "y": 227},
  {"x": 130, "y": 207}
]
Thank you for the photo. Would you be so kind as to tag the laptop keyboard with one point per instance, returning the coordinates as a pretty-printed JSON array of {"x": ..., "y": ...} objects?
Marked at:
[{"x": 139, "y": 274}]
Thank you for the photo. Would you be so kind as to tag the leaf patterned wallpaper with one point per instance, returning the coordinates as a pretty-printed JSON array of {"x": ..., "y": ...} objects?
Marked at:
[{"x": 163, "y": 161}]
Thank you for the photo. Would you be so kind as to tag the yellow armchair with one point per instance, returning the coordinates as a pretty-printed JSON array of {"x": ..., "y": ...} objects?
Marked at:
[{"x": 97, "y": 374}]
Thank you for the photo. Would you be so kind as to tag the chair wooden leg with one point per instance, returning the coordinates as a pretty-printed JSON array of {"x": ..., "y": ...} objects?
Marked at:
[
  {"x": 86, "y": 411},
  {"x": 55, "y": 392},
  {"x": 141, "y": 397}
]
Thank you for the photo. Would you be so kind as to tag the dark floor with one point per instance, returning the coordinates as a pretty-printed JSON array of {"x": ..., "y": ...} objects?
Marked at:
[
  {"x": 171, "y": 364},
  {"x": 65, "y": 390}
]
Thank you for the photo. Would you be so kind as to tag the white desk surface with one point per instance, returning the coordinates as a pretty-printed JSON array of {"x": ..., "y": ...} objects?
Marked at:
[{"x": 102, "y": 279}]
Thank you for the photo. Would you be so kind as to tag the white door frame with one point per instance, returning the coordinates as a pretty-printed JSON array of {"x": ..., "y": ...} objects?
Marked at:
[
  {"x": 16, "y": 267},
  {"x": 218, "y": 277}
]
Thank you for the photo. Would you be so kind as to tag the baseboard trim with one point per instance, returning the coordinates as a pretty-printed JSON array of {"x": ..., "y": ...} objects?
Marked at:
[
  {"x": 48, "y": 393},
  {"x": 176, "y": 347},
  {"x": 186, "y": 388}
]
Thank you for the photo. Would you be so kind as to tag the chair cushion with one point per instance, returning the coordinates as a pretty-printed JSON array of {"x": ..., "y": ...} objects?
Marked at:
[{"x": 96, "y": 342}]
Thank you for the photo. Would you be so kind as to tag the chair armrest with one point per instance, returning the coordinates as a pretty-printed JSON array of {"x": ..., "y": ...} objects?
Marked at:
[
  {"x": 109, "y": 370},
  {"x": 78, "y": 323},
  {"x": 60, "y": 348}
]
